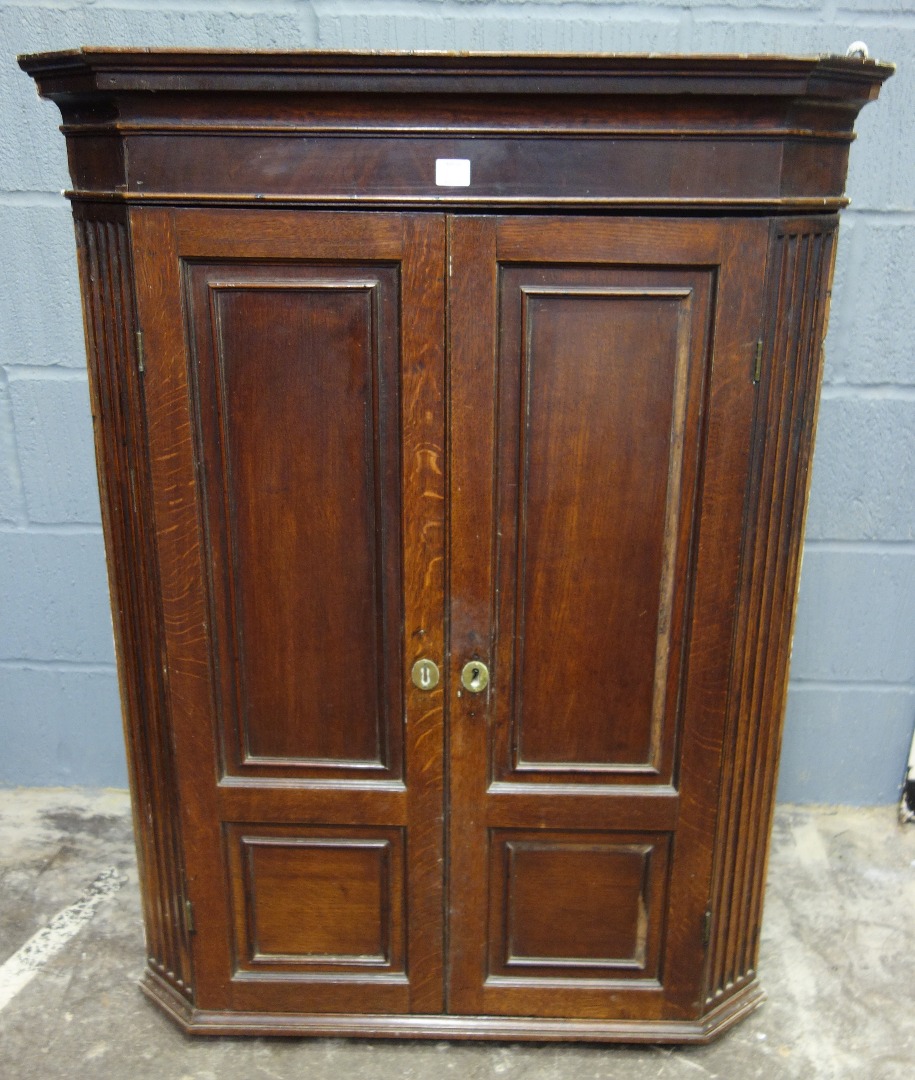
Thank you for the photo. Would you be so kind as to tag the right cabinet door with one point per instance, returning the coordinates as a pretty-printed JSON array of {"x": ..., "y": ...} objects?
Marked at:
[{"x": 601, "y": 404}]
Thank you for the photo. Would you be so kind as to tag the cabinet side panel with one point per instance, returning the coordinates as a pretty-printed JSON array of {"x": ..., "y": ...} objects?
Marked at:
[
  {"x": 106, "y": 277},
  {"x": 801, "y": 254}
]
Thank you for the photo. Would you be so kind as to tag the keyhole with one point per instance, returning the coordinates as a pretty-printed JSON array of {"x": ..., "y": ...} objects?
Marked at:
[
  {"x": 425, "y": 674},
  {"x": 475, "y": 676}
]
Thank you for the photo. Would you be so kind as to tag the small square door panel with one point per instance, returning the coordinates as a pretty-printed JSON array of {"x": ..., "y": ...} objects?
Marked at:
[
  {"x": 576, "y": 905},
  {"x": 317, "y": 899}
]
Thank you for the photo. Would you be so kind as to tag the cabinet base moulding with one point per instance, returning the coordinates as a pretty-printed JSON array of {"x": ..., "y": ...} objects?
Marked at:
[{"x": 496, "y": 1028}]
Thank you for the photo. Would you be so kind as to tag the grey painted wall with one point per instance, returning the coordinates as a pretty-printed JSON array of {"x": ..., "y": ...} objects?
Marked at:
[{"x": 852, "y": 700}]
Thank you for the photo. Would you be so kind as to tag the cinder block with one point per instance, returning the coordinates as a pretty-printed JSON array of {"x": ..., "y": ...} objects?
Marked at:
[
  {"x": 863, "y": 469},
  {"x": 762, "y": 6},
  {"x": 604, "y": 8},
  {"x": 12, "y": 501},
  {"x": 55, "y": 597},
  {"x": 54, "y": 436},
  {"x": 872, "y": 326},
  {"x": 856, "y": 617},
  {"x": 60, "y": 727},
  {"x": 500, "y": 27},
  {"x": 774, "y": 33},
  {"x": 33, "y": 156},
  {"x": 41, "y": 318},
  {"x": 845, "y": 746}
]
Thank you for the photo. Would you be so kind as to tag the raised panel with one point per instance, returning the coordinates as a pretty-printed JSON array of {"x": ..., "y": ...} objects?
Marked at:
[
  {"x": 321, "y": 899},
  {"x": 601, "y": 377},
  {"x": 571, "y": 906},
  {"x": 297, "y": 386}
]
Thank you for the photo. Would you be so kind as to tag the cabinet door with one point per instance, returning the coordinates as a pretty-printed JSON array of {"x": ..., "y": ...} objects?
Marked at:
[
  {"x": 601, "y": 389},
  {"x": 294, "y": 369}
]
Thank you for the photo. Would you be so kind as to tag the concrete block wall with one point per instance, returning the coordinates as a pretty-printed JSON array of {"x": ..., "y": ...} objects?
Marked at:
[{"x": 852, "y": 700}]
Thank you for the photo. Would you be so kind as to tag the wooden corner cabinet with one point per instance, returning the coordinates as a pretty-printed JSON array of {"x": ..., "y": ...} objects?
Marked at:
[{"x": 453, "y": 417}]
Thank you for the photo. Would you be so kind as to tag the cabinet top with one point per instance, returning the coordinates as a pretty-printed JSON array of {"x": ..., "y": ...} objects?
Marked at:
[
  {"x": 105, "y": 70},
  {"x": 722, "y": 133}
]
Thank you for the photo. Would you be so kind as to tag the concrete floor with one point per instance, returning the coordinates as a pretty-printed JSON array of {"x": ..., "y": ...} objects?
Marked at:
[{"x": 837, "y": 961}]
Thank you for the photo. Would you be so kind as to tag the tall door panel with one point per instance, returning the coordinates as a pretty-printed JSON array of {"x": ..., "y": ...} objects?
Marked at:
[
  {"x": 294, "y": 373},
  {"x": 602, "y": 396}
]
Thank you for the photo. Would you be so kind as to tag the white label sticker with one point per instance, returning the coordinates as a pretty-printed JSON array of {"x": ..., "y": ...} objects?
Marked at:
[{"x": 452, "y": 172}]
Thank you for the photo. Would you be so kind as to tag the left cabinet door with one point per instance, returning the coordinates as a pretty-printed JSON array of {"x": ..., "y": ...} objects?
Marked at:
[{"x": 294, "y": 408}]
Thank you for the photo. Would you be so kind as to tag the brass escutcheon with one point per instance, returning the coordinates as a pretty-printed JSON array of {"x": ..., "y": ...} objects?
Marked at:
[
  {"x": 425, "y": 674},
  {"x": 475, "y": 676}
]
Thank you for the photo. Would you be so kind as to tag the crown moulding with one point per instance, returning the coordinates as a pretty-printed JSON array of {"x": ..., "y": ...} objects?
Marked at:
[{"x": 739, "y": 134}]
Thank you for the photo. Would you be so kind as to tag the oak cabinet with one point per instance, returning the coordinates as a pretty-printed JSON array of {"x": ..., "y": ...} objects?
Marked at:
[{"x": 453, "y": 419}]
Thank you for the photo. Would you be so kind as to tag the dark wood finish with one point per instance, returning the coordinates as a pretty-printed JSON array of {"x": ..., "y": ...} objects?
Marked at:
[
  {"x": 634, "y": 523},
  {"x": 297, "y": 392},
  {"x": 517, "y": 1029},
  {"x": 333, "y": 276},
  {"x": 595, "y": 513},
  {"x": 347, "y": 418},
  {"x": 576, "y": 904},
  {"x": 655, "y": 132},
  {"x": 800, "y": 274},
  {"x": 317, "y": 899},
  {"x": 106, "y": 274}
]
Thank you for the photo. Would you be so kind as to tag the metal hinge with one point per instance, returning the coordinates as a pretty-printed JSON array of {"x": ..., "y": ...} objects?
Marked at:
[
  {"x": 141, "y": 362},
  {"x": 707, "y": 927},
  {"x": 189, "y": 917},
  {"x": 757, "y": 365}
]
